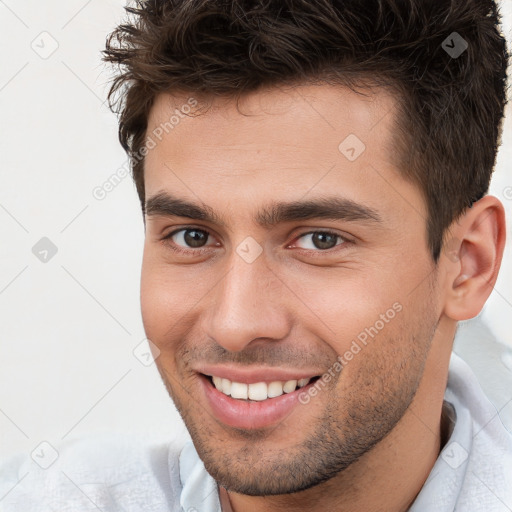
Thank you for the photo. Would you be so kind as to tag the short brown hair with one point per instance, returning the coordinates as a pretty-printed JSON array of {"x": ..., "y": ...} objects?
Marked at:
[{"x": 450, "y": 104}]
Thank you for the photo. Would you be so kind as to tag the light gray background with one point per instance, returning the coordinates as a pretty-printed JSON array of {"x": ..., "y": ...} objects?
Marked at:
[{"x": 69, "y": 326}]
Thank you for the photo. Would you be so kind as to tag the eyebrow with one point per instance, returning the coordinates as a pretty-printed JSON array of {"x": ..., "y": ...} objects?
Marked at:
[{"x": 327, "y": 208}]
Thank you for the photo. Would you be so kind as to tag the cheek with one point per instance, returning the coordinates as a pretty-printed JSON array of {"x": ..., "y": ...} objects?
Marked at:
[
  {"x": 160, "y": 308},
  {"x": 346, "y": 304},
  {"x": 151, "y": 301},
  {"x": 160, "y": 301},
  {"x": 170, "y": 297}
]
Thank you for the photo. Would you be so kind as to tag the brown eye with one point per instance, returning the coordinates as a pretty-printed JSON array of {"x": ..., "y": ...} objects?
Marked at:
[
  {"x": 190, "y": 238},
  {"x": 322, "y": 240}
]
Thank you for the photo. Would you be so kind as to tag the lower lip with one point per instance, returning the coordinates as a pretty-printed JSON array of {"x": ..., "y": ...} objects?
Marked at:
[{"x": 250, "y": 415}]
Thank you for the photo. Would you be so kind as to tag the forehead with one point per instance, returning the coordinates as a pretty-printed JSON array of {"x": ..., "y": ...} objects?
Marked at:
[
  {"x": 325, "y": 107},
  {"x": 285, "y": 142}
]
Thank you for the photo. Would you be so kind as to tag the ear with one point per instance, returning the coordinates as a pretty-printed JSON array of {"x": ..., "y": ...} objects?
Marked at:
[{"x": 472, "y": 254}]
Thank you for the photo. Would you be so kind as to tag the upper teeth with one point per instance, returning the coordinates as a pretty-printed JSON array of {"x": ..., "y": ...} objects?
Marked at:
[{"x": 258, "y": 390}]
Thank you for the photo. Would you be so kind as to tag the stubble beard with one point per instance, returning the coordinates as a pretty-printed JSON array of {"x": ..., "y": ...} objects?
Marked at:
[{"x": 352, "y": 422}]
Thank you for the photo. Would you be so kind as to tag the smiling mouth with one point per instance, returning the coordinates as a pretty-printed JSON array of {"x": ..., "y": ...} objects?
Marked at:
[{"x": 258, "y": 391}]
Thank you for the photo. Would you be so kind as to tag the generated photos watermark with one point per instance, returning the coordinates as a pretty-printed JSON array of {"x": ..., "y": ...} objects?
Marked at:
[
  {"x": 358, "y": 344},
  {"x": 100, "y": 192}
]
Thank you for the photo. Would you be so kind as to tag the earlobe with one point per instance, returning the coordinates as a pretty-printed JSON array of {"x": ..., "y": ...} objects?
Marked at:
[{"x": 475, "y": 259}]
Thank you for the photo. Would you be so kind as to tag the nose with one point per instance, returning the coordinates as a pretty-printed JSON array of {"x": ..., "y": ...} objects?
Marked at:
[{"x": 247, "y": 305}]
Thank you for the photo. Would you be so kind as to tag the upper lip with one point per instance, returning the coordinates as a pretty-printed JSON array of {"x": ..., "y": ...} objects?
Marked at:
[{"x": 253, "y": 374}]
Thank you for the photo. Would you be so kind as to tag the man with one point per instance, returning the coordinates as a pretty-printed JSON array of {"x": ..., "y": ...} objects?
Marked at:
[{"x": 313, "y": 178}]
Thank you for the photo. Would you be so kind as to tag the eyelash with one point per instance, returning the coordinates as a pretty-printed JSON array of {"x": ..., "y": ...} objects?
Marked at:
[{"x": 177, "y": 248}]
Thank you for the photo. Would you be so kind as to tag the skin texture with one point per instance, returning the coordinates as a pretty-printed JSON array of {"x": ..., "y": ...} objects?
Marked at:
[{"x": 369, "y": 438}]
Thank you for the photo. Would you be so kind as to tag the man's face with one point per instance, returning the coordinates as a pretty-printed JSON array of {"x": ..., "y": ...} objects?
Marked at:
[{"x": 260, "y": 298}]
